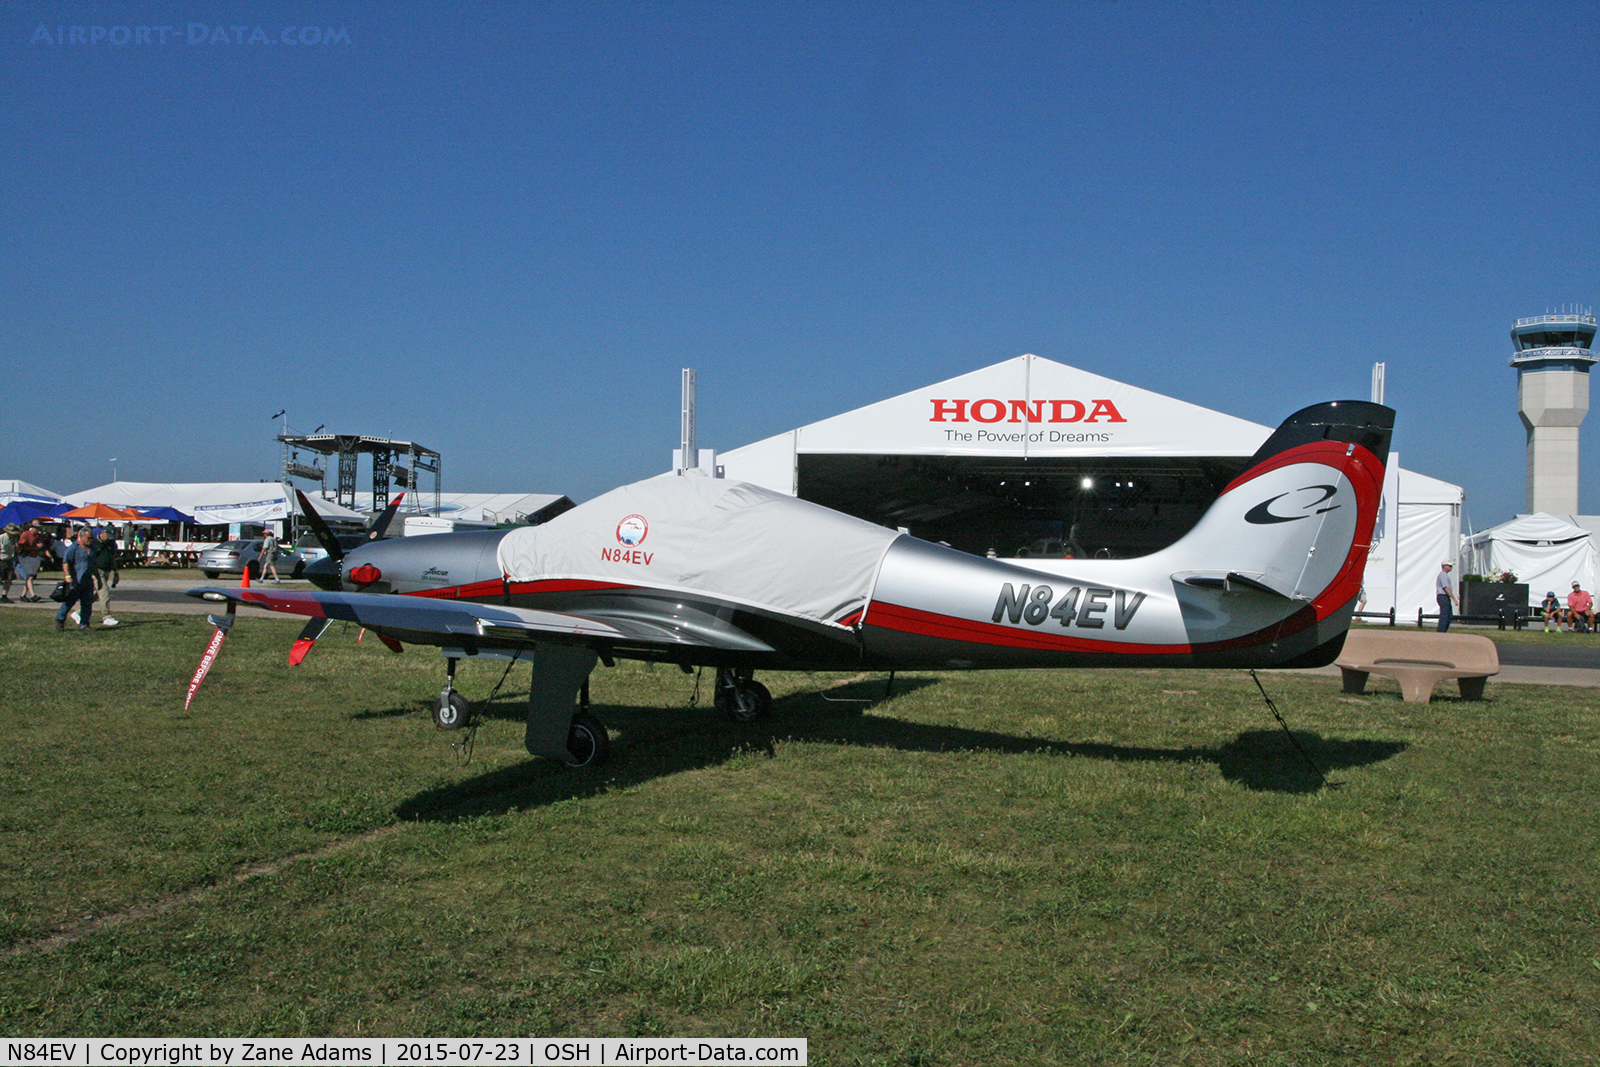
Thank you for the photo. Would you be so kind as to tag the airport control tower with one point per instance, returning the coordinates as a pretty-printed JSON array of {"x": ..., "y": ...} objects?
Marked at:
[{"x": 1553, "y": 360}]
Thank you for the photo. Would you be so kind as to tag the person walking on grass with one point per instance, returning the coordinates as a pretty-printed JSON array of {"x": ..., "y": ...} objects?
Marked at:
[
  {"x": 77, "y": 568},
  {"x": 269, "y": 555},
  {"x": 106, "y": 572},
  {"x": 32, "y": 545}
]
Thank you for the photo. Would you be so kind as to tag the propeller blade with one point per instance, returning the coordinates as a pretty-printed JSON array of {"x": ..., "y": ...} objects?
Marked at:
[
  {"x": 223, "y": 623},
  {"x": 380, "y": 527},
  {"x": 314, "y": 629},
  {"x": 330, "y": 544}
]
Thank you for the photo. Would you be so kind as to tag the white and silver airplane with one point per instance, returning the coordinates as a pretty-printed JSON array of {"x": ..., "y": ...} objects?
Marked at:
[{"x": 697, "y": 571}]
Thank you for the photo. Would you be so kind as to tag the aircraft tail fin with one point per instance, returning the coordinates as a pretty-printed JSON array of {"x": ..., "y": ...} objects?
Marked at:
[{"x": 1298, "y": 521}]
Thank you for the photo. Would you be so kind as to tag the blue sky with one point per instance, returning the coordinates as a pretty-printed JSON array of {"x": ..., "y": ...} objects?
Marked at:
[{"x": 501, "y": 230}]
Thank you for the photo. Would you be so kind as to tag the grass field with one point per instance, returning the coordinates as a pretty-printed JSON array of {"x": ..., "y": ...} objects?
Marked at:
[{"x": 1027, "y": 867}]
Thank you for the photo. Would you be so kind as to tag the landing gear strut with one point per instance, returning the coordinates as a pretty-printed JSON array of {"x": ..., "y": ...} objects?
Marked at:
[
  {"x": 740, "y": 696},
  {"x": 450, "y": 710}
]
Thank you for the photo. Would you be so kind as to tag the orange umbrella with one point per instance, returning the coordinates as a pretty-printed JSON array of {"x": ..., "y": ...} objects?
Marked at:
[{"x": 103, "y": 512}]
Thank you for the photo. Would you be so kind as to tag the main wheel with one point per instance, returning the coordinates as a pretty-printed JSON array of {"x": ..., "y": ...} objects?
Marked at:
[
  {"x": 253, "y": 569},
  {"x": 588, "y": 742},
  {"x": 450, "y": 711},
  {"x": 750, "y": 702},
  {"x": 213, "y": 575}
]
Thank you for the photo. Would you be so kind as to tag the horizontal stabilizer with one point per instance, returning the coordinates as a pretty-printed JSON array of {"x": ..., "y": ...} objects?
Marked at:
[{"x": 1230, "y": 581}]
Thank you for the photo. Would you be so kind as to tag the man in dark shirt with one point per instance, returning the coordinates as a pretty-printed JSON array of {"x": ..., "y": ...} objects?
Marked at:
[{"x": 105, "y": 566}]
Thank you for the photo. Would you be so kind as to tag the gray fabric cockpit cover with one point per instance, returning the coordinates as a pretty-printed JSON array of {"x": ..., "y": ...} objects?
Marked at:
[{"x": 737, "y": 541}]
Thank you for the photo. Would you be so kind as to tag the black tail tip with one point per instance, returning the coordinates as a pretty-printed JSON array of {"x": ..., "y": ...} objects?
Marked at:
[{"x": 1359, "y": 422}]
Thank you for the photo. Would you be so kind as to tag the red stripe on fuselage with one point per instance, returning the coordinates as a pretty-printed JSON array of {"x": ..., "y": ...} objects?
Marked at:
[
  {"x": 970, "y": 631},
  {"x": 950, "y": 628},
  {"x": 496, "y": 587}
]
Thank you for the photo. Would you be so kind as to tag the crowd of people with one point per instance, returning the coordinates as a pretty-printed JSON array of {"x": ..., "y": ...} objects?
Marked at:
[{"x": 88, "y": 559}]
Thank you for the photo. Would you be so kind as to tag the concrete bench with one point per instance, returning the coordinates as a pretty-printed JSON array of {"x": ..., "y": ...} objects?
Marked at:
[{"x": 1418, "y": 661}]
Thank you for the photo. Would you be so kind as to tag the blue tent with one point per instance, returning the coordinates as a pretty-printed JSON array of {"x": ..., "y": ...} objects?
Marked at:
[
  {"x": 22, "y": 512},
  {"x": 169, "y": 514}
]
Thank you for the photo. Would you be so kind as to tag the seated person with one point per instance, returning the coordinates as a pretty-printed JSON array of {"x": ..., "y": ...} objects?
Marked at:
[
  {"x": 1550, "y": 608},
  {"x": 1580, "y": 606}
]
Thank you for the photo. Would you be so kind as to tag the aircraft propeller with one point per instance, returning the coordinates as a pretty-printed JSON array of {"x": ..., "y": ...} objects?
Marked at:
[{"x": 380, "y": 526}]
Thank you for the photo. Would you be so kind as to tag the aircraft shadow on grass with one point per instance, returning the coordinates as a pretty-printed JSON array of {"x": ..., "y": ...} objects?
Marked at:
[{"x": 655, "y": 742}]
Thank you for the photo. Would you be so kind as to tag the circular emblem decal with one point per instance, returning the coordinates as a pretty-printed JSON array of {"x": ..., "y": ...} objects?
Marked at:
[{"x": 632, "y": 530}]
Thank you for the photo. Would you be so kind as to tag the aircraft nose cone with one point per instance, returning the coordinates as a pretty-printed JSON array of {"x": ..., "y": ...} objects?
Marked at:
[{"x": 322, "y": 573}]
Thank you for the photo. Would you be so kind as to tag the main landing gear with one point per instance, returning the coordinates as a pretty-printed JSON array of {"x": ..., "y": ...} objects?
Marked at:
[
  {"x": 560, "y": 725},
  {"x": 740, "y": 696},
  {"x": 450, "y": 711},
  {"x": 555, "y": 728}
]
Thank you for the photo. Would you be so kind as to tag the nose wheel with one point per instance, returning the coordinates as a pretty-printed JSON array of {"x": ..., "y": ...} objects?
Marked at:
[{"x": 740, "y": 696}]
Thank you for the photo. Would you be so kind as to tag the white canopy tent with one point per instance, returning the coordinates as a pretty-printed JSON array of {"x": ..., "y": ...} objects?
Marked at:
[
  {"x": 16, "y": 489},
  {"x": 211, "y": 503},
  {"x": 1545, "y": 551},
  {"x": 478, "y": 507}
]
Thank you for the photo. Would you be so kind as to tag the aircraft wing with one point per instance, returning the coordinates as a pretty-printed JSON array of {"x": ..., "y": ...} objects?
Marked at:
[{"x": 425, "y": 620}]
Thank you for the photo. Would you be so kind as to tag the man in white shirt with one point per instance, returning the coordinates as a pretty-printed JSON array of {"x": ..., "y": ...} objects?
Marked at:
[{"x": 1445, "y": 595}]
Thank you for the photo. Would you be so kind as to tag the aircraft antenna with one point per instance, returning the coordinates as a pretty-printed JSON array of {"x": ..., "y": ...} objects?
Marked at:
[{"x": 1377, "y": 382}]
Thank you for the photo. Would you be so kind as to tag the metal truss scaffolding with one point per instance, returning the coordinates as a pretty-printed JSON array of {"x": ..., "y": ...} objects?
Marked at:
[{"x": 414, "y": 460}]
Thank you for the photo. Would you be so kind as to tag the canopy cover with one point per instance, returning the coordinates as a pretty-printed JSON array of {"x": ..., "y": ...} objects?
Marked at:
[{"x": 733, "y": 540}]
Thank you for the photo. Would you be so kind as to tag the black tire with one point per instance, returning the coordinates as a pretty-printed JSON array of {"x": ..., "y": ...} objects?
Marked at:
[
  {"x": 213, "y": 575},
  {"x": 299, "y": 569},
  {"x": 253, "y": 569},
  {"x": 450, "y": 713},
  {"x": 751, "y": 702},
  {"x": 588, "y": 742}
]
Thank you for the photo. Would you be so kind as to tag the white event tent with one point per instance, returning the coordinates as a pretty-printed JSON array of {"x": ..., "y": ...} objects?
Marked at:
[
  {"x": 1032, "y": 409},
  {"x": 1419, "y": 527},
  {"x": 479, "y": 507},
  {"x": 16, "y": 489},
  {"x": 211, "y": 503},
  {"x": 1546, "y": 551}
]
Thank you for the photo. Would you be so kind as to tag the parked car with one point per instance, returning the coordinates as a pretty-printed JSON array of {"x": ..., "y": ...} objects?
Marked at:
[
  {"x": 234, "y": 557},
  {"x": 1044, "y": 548},
  {"x": 309, "y": 549}
]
